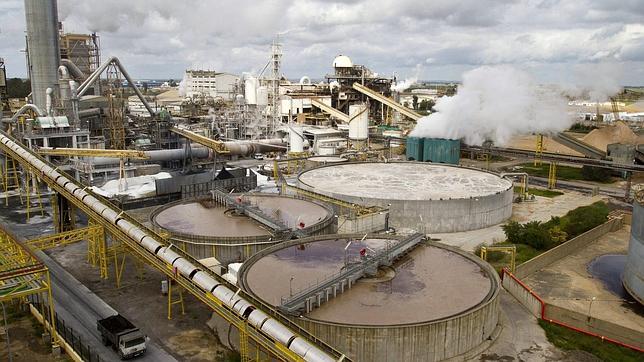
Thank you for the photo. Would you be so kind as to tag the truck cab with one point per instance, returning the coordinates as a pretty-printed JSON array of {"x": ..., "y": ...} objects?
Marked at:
[{"x": 131, "y": 345}]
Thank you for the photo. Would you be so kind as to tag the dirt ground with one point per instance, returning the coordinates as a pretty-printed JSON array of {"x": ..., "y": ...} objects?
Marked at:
[
  {"x": 25, "y": 337},
  {"x": 186, "y": 336}
]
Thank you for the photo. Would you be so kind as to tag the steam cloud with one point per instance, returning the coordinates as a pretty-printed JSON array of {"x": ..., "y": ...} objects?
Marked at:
[
  {"x": 408, "y": 82},
  {"x": 495, "y": 103}
]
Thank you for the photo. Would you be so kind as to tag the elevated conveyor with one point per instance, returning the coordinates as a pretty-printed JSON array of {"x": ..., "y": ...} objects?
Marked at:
[
  {"x": 269, "y": 329},
  {"x": 387, "y": 101},
  {"x": 330, "y": 110},
  {"x": 579, "y": 146}
]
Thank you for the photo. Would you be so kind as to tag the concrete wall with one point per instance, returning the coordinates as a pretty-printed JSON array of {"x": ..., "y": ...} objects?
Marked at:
[
  {"x": 440, "y": 216},
  {"x": 434, "y": 341},
  {"x": 593, "y": 325},
  {"x": 634, "y": 271},
  {"x": 523, "y": 295},
  {"x": 565, "y": 249},
  {"x": 362, "y": 224}
]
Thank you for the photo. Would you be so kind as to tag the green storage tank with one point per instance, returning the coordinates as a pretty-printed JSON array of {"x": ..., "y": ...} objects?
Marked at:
[
  {"x": 414, "y": 149},
  {"x": 441, "y": 150}
]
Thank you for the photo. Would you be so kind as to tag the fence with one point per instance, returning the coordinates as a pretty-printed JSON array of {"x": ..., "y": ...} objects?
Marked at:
[{"x": 67, "y": 333}]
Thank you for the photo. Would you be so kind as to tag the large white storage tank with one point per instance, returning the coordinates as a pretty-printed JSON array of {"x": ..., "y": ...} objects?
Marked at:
[
  {"x": 250, "y": 90},
  {"x": 295, "y": 139},
  {"x": 358, "y": 122},
  {"x": 633, "y": 279},
  {"x": 262, "y": 96}
]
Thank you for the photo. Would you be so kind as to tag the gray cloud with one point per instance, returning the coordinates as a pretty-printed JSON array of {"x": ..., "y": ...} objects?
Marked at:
[{"x": 160, "y": 38}]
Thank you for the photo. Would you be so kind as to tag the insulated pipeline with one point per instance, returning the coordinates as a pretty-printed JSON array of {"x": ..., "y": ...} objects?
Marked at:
[{"x": 183, "y": 265}]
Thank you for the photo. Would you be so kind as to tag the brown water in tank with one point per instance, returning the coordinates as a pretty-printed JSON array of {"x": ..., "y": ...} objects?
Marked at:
[
  {"x": 430, "y": 283},
  {"x": 197, "y": 219}
]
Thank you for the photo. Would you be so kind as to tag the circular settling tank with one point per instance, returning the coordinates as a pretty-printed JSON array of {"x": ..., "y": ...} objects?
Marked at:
[
  {"x": 430, "y": 198},
  {"x": 205, "y": 228},
  {"x": 432, "y": 304}
]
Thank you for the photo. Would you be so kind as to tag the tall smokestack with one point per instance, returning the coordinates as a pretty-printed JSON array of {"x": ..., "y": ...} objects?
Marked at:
[{"x": 42, "y": 47}]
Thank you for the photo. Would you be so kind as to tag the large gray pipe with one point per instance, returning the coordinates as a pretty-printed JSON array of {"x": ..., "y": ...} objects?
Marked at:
[
  {"x": 97, "y": 74},
  {"x": 240, "y": 148},
  {"x": 73, "y": 69},
  {"x": 42, "y": 48}
]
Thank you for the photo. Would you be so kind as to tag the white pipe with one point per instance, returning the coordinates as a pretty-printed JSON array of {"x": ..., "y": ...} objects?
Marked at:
[
  {"x": 24, "y": 108},
  {"x": 48, "y": 109}
]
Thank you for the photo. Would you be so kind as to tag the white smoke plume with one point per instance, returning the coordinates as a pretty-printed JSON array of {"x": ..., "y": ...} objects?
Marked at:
[
  {"x": 408, "y": 82},
  {"x": 596, "y": 81},
  {"x": 182, "y": 86},
  {"x": 495, "y": 103}
]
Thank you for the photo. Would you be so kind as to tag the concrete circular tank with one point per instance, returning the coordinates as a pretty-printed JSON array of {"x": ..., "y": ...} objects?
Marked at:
[
  {"x": 633, "y": 278},
  {"x": 205, "y": 228},
  {"x": 434, "y": 303},
  {"x": 427, "y": 197}
]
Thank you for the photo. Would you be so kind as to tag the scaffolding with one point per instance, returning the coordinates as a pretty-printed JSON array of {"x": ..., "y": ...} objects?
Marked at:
[
  {"x": 22, "y": 274},
  {"x": 114, "y": 129},
  {"x": 32, "y": 186},
  {"x": 512, "y": 250},
  {"x": 81, "y": 49},
  {"x": 552, "y": 175},
  {"x": 10, "y": 179},
  {"x": 538, "y": 153}
]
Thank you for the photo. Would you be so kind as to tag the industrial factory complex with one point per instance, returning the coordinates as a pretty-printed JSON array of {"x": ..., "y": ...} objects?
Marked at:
[{"x": 265, "y": 216}]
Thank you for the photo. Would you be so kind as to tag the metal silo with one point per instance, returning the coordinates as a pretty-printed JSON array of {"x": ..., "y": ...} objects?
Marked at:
[
  {"x": 634, "y": 271},
  {"x": 42, "y": 47}
]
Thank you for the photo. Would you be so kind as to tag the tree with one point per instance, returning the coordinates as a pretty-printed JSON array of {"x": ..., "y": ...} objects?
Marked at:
[
  {"x": 415, "y": 101},
  {"x": 18, "y": 88},
  {"x": 426, "y": 105},
  {"x": 172, "y": 83}
]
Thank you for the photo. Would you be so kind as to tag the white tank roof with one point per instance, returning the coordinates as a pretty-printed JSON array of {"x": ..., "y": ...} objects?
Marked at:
[{"x": 342, "y": 61}]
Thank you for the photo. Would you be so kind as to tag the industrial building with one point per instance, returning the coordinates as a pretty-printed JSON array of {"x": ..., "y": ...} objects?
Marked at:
[{"x": 302, "y": 217}]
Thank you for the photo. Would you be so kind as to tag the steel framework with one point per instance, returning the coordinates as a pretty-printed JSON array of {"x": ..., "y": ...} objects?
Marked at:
[{"x": 22, "y": 274}]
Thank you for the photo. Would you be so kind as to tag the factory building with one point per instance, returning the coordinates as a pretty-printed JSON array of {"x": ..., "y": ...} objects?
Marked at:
[{"x": 208, "y": 83}]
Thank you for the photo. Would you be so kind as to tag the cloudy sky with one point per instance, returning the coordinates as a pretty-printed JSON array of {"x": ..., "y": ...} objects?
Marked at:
[{"x": 437, "y": 39}]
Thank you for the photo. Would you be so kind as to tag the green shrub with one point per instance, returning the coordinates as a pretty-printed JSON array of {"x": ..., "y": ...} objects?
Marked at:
[
  {"x": 599, "y": 174},
  {"x": 584, "y": 218},
  {"x": 544, "y": 236}
]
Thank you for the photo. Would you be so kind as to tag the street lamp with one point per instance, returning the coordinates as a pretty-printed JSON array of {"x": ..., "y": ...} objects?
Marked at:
[
  {"x": 290, "y": 286},
  {"x": 590, "y": 305}
]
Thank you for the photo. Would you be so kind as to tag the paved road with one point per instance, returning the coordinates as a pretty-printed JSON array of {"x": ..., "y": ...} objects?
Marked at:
[{"x": 80, "y": 309}]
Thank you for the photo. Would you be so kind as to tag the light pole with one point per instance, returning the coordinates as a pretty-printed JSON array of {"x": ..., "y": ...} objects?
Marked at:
[
  {"x": 290, "y": 286},
  {"x": 590, "y": 305}
]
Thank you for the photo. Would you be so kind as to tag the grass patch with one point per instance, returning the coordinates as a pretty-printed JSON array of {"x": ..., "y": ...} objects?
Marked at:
[
  {"x": 566, "y": 173},
  {"x": 540, "y": 192},
  {"x": 567, "y": 339}
]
